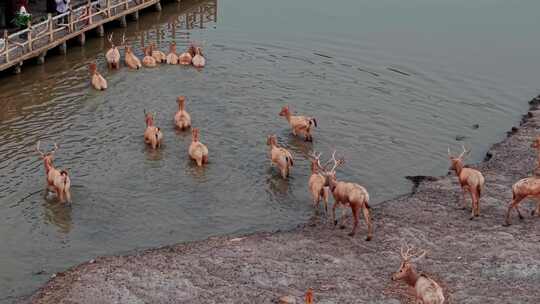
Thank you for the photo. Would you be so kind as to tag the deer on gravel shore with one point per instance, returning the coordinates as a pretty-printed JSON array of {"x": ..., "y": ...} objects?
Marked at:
[
  {"x": 113, "y": 54},
  {"x": 317, "y": 182},
  {"x": 57, "y": 180},
  {"x": 426, "y": 290},
  {"x": 470, "y": 180},
  {"x": 351, "y": 194},
  {"x": 299, "y": 124},
  {"x": 280, "y": 157},
  {"x": 152, "y": 135},
  {"x": 526, "y": 187}
]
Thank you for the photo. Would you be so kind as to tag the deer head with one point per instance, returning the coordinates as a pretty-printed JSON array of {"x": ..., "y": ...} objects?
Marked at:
[
  {"x": 457, "y": 161},
  {"x": 536, "y": 143},
  {"x": 47, "y": 156},
  {"x": 284, "y": 111},
  {"x": 181, "y": 100},
  {"x": 408, "y": 256},
  {"x": 92, "y": 67},
  {"x": 110, "y": 38},
  {"x": 271, "y": 140},
  {"x": 195, "y": 135},
  {"x": 149, "y": 118}
]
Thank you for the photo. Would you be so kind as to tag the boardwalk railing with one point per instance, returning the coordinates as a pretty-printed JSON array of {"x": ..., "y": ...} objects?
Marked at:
[{"x": 40, "y": 37}]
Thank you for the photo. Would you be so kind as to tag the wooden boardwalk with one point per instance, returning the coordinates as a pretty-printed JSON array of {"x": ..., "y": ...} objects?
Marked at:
[{"x": 38, "y": 38}]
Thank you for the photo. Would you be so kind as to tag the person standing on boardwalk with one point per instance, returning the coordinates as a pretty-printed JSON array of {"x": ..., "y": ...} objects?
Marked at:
[{"x": 61, "y": 7}]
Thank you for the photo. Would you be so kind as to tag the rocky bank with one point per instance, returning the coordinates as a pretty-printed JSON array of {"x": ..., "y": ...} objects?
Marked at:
[{"x": 477, "y": 261}]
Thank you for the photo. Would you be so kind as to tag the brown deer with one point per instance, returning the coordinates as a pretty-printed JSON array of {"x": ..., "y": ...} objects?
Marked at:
[
  {"x": 172, "y": 57},
  {"x": 158, "y": 55},
  {"x": 317, "y": 182},
  {"x": 129, "y": 58},
  {"x": 470, "y": 180},
  {"x": 526, "y": 187},
  {"x": 152, "y": 135},
  {"x": 309, "y": 296},
  {"x": 98, "y": 82},
  {"x": 148, "y": 60},
  {"x": 182, "y": 119},
  {"x": 58, "y": 181},
  {"x": 299, "y": 124},
  {"x": 351, "y": 194},
  {"x": 113, "y": 55},
  {"x": 426, "y": 290},
  {"x": 186, "y": 57},
  {"x": 280, "y": 157},
  {"x": 198, "y": 60},
  {"x": 197, "y": 150}
]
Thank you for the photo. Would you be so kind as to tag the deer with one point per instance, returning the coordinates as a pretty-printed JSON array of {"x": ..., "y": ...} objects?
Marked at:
[
  {"x": 299, "y": 124},
  {"x": 470, "y": 180},
  {"x": 351, "y": 194},
  {"x": 98, "y": 82},
  {"x": 130, "y": 59},
  {"x": 152, "y": 135},
  {"x": 198, "y": 60},
  {"x": 317, "y": 182},
  {"x": 158, "y": 55},
  {"x": 148, "y": 60},
  {"x": 526, "y": 187},
  {"x": 426, "y": 290},
  {"x": 186, "y": 57},
  {"x": 172, "y": 57},
  {"x": 280, "y": 157},
  {"x": 58, "y": 181},
  {"x": 197, "y": 150},
  {"x": 113, "y": 55},
  {"x": 182, "y": 119},
  {"x": 309, "y": 296}
]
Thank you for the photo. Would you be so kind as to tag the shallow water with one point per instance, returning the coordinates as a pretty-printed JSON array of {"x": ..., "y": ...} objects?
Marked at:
[{"x": 391, "y": 85}]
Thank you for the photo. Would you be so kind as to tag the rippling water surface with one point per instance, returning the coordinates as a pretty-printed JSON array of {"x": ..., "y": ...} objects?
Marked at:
[{"x": 392, "y": 84}]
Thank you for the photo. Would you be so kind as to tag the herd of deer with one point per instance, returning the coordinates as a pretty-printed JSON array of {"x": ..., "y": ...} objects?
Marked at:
[
  {"x": 322, "y": 181},
  {"x": 152, "y": 57}
]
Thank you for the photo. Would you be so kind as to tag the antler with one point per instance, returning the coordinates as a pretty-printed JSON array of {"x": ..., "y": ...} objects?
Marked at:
[
  {"x": 337, "y": 163},
  {"x": 465, "y": 152},
  {"x": 110, "y": 39},
  {"x": 410, "y": 254},
  {"x": 313, "y": 155},
  {"x": 55, "y": 148},
  {"x": 38, "y": 150}
]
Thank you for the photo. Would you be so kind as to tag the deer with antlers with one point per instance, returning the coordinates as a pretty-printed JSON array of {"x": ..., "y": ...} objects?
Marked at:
[
  {"x": 113, "y": 54},
  {"x": 148, "y": 60},
  {"x": 426, "y": 290},
  {"x": 317, "y": 182},
  {"x": 470, "y": 180},
  {"x": 57, "y": 180},
  {"x": 351, "y": 194},
  {"x": 182, "y": 119},
  {"x": 197, "y": 150},
  {"x": 526, "y": 187},
  {"x": 299, "y": 124},
  {"x": 158, "y": 55},
  {"x": 132, "y": 61},
  {"x": 152, "y": 135},
  {"x": 198, "y": 60},
  {"x": 98, "y": 82},
  {"x": 186, "y": 57},
  {"x": 280, "y": 157}
]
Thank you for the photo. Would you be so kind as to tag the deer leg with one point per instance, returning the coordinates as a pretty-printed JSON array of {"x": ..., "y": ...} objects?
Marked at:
[
  {"x": 334, "y": 213},
  {"x": 474, "y": 200},
  {"x": 367, "y": 217},
  {"x": 343, "y": 217},
  {"x": 355, "y": 220},
  {"x": 199, "y": 162},
  {"x": 325, "y": 197},
  {"x": 464, "y": 199},
  {"x": 515, "y": 201}
]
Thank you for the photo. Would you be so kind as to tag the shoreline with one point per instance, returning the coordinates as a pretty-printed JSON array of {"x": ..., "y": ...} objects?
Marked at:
[{"x": 477, "y": 261}]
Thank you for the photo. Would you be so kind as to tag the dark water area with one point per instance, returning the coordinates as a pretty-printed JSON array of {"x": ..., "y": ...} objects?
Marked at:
[{"x": 391, "y": 83}]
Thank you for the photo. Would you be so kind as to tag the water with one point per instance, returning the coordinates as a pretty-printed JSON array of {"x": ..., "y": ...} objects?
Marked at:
[{"x": 392, "y": 83}]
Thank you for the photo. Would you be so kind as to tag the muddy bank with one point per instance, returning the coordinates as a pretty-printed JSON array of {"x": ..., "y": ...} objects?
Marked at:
[{"x": 477, "y": 261}]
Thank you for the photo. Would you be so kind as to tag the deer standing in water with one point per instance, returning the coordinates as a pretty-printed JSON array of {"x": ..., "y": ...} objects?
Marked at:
[
  {"x": 57, "y": 180},
  {"x": 317, "y": 182},
  {"x": 426, "y": 290},
  {"x": 526, "y": 187},
  {"x": 280, "y": 157},
  {"x": 309, "y": 296},
  {"x": 158, "y": 55},
  {"x": 98, "y": 82},
  {"x": 113, "y": 54},
  {"x": 132, "y": 61},
  {"x": 152, "y": 135},
  {"x": 197, "y": 150},
  {"x": 198, "y": 59},
  {"x": 470, "y": 180},
  {"x": 299, "y": 124},
  {"x": 182, "y": 119},
  {"x": 186, "y": 57},
  {"x": 148, "y": 60},
  {"x": 351, "y": 194},
  {"x": 172, "y": 57}
]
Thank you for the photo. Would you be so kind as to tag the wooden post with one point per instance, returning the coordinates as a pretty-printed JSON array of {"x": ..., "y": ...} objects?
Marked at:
[
  {"x": 123, "y": 21},
  {"x": 41, "y": 58},
  {"x": 6, "y": 45},
  {"x": 135, "y": 16},
  {"x": 63, "y": 48},
  {"x": 126, "y": 4},
  {"x": 201, "y": 14},
  {"x": 70, "y": 19},
  {"x": 82, "y": 39},
  {"x": 29, "y": 25},
  {"x": 158, "y": 6},
  {"x": 108, "y": 8},
  {"x": 51, "y": 27},
  {"x": 100, "y": 31},
  {"x": 17, "y": 68}
]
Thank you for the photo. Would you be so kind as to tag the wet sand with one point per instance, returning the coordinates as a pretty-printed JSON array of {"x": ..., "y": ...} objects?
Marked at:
[{"x": 477, "y": 261}]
